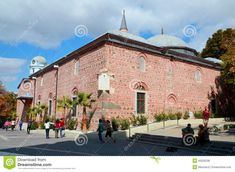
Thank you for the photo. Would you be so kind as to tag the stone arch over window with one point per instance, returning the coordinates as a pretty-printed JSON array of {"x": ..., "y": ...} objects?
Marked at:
[
  {"x": 74, "y": 91},
  {"x": 50, "y": 96},
  {"x": 141, "y": 62},
  {"x": 140, "y": 86},
  {"x": 172, "y": 100},
  {"x": 198, "y": 74}
]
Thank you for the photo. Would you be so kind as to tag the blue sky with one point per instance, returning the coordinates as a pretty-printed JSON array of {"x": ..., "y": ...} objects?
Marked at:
[
  {"x": 25, "y": 52},
  {"x": 52, "y": 28}
]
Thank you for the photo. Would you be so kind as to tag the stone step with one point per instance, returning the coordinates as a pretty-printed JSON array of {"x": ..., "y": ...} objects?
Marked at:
[{"x": 212, "y": 148}]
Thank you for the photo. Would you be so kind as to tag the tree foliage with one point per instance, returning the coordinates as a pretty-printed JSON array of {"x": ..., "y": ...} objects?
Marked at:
[
  {"x": 8, "y": 104},
  {"x": 222, "y": 46},
  {"x": 218, "y": 44},
  {"x": 228, "y": 72}
]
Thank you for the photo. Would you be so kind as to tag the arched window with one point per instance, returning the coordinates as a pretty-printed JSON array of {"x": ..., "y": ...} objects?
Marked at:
[
  {"x": 141, "y": 101},
  {"x": 77, "y": 67},
  {"x": 198, "y": 75},
  {"x": 141, "y": 64}
]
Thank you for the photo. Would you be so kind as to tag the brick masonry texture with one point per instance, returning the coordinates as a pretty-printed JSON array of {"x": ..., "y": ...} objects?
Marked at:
[{"x": 170, "y": 85}]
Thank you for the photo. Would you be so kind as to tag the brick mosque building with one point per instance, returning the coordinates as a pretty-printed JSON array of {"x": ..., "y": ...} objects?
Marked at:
[{"x": 126, "y": 75}]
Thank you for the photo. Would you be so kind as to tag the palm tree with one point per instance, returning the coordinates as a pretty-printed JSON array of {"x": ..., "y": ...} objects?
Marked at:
[
  {"x": 41, "y": 109},
  {"x": 84, "y": 100},
  {"x": 65, "y": 103},
  {"x": 31, "y": 113}
]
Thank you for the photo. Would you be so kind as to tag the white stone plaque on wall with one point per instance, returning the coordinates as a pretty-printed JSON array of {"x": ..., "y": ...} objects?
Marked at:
[{"x": 104, "y": 81}]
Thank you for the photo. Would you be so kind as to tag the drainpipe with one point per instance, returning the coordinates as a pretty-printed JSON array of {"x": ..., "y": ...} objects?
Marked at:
[
  {"x": 34, "y": 91},
  {"x": 56, "y": 67}
]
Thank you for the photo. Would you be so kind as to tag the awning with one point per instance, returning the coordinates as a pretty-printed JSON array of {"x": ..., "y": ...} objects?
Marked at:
[{"x": 24, "y": 97}]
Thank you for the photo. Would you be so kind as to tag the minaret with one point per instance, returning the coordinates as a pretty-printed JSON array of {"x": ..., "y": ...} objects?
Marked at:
[
  {"x": 162, "y": 31},
  {"x": 123, "y": 27}
]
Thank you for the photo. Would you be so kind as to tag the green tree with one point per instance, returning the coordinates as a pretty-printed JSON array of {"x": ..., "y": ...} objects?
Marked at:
[
  {"x": 67, "y": 104},
  {"x": 31, "y": 113},
  {"x": 228, "y": 72},
  {"x": 215, "y": 45},
  {"x": 8, "y": 104},
  {"x": 84, "y": 100},
  {"x": 41, "y": 110},
  {"x": 222, "y": 46}
]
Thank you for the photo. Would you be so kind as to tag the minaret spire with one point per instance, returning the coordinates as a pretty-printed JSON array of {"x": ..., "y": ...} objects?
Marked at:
[
  {"x": 162, "y": 31},
  {"x": 123, "y": 26}
]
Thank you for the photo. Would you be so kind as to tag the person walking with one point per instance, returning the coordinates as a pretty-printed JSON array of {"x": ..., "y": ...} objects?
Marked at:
[
  {"x": 62, "y": 128},
  {"x": 100, "y": 130},
  {"x": 7, "y": 124},
  {"x": 57, "y": 127},
  {"x": 29, "y": 126},
  {"x": 13, "y": 124},
  {"x": 21, "y": 124},
  {"x": 109, "y": 131},
  {"x": 47, "y": 127},
  {"x": 206, "y": 116}
]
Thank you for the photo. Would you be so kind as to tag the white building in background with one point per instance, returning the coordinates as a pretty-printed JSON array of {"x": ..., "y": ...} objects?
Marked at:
[{"x": 37, "y": 64}]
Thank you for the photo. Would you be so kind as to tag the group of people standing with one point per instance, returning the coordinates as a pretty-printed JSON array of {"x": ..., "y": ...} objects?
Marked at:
[
  {"x": 105, "y": 125},
  {"x": 58, "y": 126},
  {"x": 10, "y": 124},
  {"x": 203, "y": 133}
]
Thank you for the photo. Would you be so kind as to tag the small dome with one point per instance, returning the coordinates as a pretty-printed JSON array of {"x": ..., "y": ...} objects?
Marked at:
[
  {"x": 40, "y": 60},
  {"x": 214, "y": 60},
  {"x": 167, "y": 41}
]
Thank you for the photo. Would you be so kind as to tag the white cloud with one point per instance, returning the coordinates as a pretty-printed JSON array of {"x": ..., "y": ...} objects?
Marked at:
[
  {"x": 47, "y": 23},
  {"x": 10, "y": 68}
]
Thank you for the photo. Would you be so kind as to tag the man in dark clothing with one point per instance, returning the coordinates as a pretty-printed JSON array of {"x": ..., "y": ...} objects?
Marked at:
[
  {"x": 187, "y": 130},
  {"x": 29, "y": 126}
]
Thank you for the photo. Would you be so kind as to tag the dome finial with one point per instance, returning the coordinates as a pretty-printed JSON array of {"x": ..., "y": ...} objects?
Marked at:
[
  {"x": 123, "y": 26},
  {"x": 162, "y": 31}
]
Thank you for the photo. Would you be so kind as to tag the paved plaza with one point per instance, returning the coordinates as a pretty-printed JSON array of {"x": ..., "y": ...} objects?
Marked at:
[{"x": 19, "y": 143}]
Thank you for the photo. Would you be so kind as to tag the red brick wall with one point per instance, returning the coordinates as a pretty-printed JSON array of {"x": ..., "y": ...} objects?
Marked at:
[
  {"x": 85, "y": 81},
  {"x": 161, "y": 82}
]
